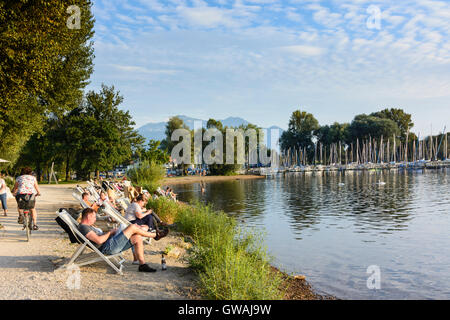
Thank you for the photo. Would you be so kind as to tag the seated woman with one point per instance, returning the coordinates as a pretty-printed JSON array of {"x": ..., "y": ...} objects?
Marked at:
[{"x": 145, "y": 218}]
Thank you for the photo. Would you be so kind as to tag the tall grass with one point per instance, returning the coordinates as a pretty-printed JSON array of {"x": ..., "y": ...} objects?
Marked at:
[
  {"x": 147, "y": 175},
  {"x": 231, "y": 262}
]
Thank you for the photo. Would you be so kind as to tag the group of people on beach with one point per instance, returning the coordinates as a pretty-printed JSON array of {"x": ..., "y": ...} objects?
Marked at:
[{"x": 143, "y": 223}]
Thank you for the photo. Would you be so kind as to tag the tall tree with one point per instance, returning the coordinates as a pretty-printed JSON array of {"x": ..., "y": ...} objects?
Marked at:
[
  {"x": 44, "y": 65},
  {"x": 400, "y": 117},
  {"x": 173, "y": 124},
  {"x": 108, "y": 138},
  {"x": 364, "y": 126},
  {"x": 302, "y": 126}
]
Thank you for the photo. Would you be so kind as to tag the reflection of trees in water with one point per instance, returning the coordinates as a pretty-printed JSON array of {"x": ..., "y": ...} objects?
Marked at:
[
  {"x": 301, "y": 205},
  {"x": 236, "y": 197},
  {"x": 361, "y": 196},
  {"x": 381, "y": 200}
]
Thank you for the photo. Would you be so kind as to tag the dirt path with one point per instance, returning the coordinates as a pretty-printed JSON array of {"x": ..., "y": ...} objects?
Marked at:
[{"x": 27, "y": 269}]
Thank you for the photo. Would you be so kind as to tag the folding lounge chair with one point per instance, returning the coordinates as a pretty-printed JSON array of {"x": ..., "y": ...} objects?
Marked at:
[
  {"x": 78, "y": 259},
  {"x": 78, "y": 197}
]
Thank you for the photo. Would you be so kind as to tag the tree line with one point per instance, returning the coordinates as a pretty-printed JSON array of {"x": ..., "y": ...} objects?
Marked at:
[{"x": 383, "y": 130}]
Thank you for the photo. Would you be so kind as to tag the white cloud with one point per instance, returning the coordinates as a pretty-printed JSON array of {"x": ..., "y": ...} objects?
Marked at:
[{"x": 304, "y": 50}]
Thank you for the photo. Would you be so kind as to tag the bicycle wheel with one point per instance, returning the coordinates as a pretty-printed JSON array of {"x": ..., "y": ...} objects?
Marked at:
[{"x": 27, "y": 225}]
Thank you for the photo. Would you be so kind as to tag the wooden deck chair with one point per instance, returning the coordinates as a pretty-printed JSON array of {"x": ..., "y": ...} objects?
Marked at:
[
  {"x": 77, "y": 196},
  {"x": 80, "y": 189},
  {"x": 123, "y": 203},
  {"x": 78, "y": 259},
  {"x": 94, "y": 193}
]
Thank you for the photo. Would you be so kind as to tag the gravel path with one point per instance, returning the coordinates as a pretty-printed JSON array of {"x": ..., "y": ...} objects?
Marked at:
[{"x": 27, "y": 269}]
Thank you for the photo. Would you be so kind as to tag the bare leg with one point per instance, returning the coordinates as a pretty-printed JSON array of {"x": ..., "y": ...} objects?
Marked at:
[
  {"x": 136, "y": 240},
  {"x": 135, "y": 229},
  {"x": 34, "y": 215}
]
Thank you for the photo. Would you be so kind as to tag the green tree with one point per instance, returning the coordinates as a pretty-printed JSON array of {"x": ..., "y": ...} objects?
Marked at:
[
  {"x": 108, "y": 138},
  {"x": 400, "y": 117},
  {"x": 365, "y": 127},
  {"x": 337, "y": 132},
  {"x": 154, "y": 153},
  {"x": 173, "y": 124},
  {"x": 44, "y": 66},
  {"x": 302, "y": 126}
]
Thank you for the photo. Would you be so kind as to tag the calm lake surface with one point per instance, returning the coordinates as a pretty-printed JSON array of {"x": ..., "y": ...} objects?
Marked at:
[{"x": 333, "y": 227}]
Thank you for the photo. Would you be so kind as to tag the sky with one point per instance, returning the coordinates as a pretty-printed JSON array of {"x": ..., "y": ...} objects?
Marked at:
[{"x": 263, "y": 59}]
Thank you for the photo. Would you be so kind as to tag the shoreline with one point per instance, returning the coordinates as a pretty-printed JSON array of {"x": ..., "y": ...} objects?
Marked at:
[
  {"x": 207, "y": 179},
  {"x": 49, "y": 247}
]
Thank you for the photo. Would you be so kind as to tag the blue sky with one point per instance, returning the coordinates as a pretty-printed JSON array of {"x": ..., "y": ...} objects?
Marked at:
[{"x": 263, "y": 59}]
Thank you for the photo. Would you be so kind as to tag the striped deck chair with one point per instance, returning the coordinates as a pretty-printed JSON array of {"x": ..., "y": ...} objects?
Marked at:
[{"x": 78, "y": 259}]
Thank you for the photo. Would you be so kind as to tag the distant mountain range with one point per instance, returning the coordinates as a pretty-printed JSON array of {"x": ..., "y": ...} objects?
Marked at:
[{"x": 156, "y": 131}]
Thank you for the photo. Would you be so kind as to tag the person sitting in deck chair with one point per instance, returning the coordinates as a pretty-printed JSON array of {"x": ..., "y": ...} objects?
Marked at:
[
  {"x": 115, "y": 241},
  {"x": 137, "y": 214},
  {"x": 85, "y": 197}
]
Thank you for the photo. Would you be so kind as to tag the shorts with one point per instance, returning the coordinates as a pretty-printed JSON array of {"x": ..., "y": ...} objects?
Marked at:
[
  {"x": 116, "y": 244},
  {"x": 3, "y": 200},
  {"x": 26, "y": 201}
]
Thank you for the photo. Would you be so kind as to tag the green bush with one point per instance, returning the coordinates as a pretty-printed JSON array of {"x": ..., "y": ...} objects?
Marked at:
[
  {"x": 230, "y": 262},
  {"x": 10, "y": 182},
  {"x": 147, "y": 175},
  {"x": 166, "y": 209}
]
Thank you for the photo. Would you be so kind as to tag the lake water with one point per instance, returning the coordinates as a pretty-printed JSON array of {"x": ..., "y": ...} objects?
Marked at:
[{"x": 332, "y": 227}]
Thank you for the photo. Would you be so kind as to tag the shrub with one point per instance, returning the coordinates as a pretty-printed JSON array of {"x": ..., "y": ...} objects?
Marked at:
[
  {"x": 230, "y": 261},
  {"x": 147, "y": 175},
  {"x": 165, "y": 208},
  {"x": 10, "y": 182}
]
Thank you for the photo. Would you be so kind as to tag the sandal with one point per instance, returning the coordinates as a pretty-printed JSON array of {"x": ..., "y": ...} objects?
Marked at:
[{"x": 35, "y": 227}]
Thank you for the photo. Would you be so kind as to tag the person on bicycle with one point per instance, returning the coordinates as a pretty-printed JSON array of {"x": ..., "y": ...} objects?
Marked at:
[{"x": 25, "y": 190}]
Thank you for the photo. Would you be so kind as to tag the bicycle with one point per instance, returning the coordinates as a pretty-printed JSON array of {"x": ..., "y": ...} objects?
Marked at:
[{"x": 27, "y": 219}]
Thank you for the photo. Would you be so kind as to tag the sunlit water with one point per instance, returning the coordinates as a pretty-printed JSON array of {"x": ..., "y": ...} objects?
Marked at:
[{"x": 333, "y": 227}]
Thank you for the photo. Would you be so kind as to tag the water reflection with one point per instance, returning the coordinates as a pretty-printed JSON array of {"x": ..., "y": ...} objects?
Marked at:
[{"x": 329, "y": 225}]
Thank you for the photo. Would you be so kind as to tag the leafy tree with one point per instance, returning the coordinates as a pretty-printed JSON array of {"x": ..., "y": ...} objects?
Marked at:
[
  {"x": 400, "y": 117},
  {"x": 337, "y": 132},
  {"x": 154, "y": 153},
  {"x": 302, "y": 126},
  {"x": 44, "y": 66},
  {"x": 107, "y": 135},
  {"x": 365, "y": 127},
  {"x": 212, "y": 123},
  {"x": 173, "y": 124}
]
